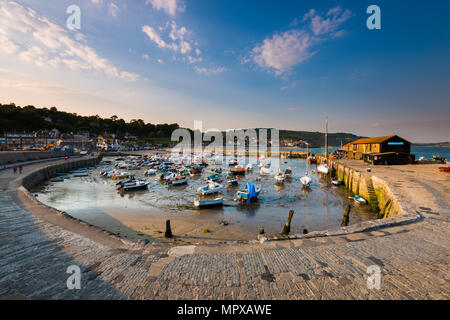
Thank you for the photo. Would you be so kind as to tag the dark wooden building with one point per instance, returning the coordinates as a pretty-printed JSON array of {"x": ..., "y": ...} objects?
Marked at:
[{"x": 380, "y": 150}]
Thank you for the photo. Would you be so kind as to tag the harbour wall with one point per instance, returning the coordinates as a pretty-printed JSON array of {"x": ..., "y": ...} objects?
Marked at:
[
  {"x": 47, "y": 172},
  {"x": 375, "y": 190},
  {"x": 8, "y": 157}
]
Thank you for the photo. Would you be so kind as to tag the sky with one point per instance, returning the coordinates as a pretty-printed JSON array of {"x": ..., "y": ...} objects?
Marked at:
[{"x": 235, "y": 64}]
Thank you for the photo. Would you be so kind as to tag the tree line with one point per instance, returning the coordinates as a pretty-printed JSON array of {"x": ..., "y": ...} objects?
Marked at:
[{"x": 29, "y": 119}]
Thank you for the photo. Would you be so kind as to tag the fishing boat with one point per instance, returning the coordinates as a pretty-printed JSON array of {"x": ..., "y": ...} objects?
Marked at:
[
  {"x": 120, "y": 175},
  {"x": 359, "y": 200},
  {"x": 232, "y": 162},
  {"x": 207, "y": 203},
  {"x": 238, "y": 170},
  {"x": 444, "y": 169},
  {"x": 232, "y": 181},
  {"x": 196, "y": 171},
  {"x": 178, "y": 181},
  {"x": 214, "y": 177},
  {"x": 249, "y": 167},
  {"x": 210, "y": 188},
  {"x": 250, "y": 194},
  {"x": 132, "y": 185},
  {"x": 336, "y": 182}
]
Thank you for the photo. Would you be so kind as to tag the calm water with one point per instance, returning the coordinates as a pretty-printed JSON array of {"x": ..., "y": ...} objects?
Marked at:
[
  {"x": 426, "y": 152},
  {"x": 317, "y": 208}
]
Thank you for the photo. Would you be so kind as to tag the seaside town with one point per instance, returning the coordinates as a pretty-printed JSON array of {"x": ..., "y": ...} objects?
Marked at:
[{"x": 112, "y": 188}]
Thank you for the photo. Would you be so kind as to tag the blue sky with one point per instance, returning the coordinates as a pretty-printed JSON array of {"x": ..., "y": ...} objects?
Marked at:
[{"x": 234, "y": 64}]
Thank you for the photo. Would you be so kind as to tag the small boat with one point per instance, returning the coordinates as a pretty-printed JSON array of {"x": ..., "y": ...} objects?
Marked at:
[
  {"x": 306, "y": 180},
  {"x": 211, "y": 188},
  {"x": 232, "y": 181},
  {"x": 238, "y": 170},
  {"x": 323, "y": 168},
  {"x": 150, "y": 172},
  {"x": 214, "y": 177},
  {"x": 80, "y": 174},
  {"x": 177, "y": 181},
  {"x": 132, "y": 185},
  {"x": 280, "y": 177},
  {"x": 232, "y": 162},
  {"x": 205, "y": 203},
  {"x": 359, "y": 200},
  {"x": 265, "y": 171},
  {"x": 216, "y": 170},
  {"x": 250, "y": 194},
  {"x": 336, "y": 182},
  {"x": 444, "y": 169},
  {"x": 249, "y": 167},
  {"x": 288, "y": 173}
]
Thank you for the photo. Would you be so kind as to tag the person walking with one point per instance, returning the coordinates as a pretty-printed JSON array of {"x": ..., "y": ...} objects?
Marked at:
[
  {"x": 15, "y": 169},
  {"x": 20, "y": 169}
]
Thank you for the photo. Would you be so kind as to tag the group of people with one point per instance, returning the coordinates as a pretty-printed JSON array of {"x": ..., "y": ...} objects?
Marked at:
[{"x": 18, "y": 168}]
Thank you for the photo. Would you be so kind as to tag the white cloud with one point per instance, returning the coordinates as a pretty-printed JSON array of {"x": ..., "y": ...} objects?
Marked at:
[
  {"x": 153, "y": 35},
  {"x": 333, "y": 20},
  {"x": 169, "y": 6},
  {"x": 160, "y": 61},
  {"x": 113, "y": 9},
  {"x": 210, "y": 71},
  {"x": 39, "y": 41},
  {"x": 6, "y": 45},
  {"x": 146, "y": 56},
  {"x": 284, "y": 50}
]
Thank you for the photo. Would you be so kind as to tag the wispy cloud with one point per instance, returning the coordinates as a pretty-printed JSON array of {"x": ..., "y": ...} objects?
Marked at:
[
  {"x": 210, "y": 71},
  {"x": 113, "y": 9},
  {"x": 37, "y": 40},
  {"x": 171, "y": 7},
  {"x": 284, "y": 50}
]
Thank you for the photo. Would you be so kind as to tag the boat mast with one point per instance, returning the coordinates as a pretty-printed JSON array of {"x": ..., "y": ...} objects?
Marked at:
[{"x": 326, "y": 140}]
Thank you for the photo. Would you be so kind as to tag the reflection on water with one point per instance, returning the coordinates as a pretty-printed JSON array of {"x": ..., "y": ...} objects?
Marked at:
[{"x": 318, "y": 207}]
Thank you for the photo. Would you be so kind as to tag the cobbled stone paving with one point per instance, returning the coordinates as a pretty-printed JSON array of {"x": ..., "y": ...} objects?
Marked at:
[{"x": 34, "y": 256}]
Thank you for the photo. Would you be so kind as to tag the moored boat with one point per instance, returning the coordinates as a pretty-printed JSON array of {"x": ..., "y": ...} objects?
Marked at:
[
  {"x": 206, "y": 203},
  {"x": 306, "y": 180},
  {"x": 250, "y": 194},
  {"x": 211, "y": 188},
  {"x": 336, "y": 182},
  {"x": 359, "y": 200}
]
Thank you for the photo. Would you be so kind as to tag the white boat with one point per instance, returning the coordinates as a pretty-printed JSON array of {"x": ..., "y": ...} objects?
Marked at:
[
  {"x": 249, "y": 167},
  {"x": 81, "y": 174},
  {"x": 211, "y": 188},
  {"x": 336, "y": 182},
  {"x": 265, "y": 171},
  {"x": 150, "y": 172},
  {"x": 306, "y": 181},
  {"x": 359, "y": 200},
  {"x": 205, "y": 203},
  {"x": 323, "y": 168},
  {"x": 280, "y": 177}
]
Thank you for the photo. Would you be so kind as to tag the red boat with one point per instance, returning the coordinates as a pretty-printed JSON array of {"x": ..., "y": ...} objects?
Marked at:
[
  {"x": 444, "y": 169},
  {"x": 238, "y": 170}
]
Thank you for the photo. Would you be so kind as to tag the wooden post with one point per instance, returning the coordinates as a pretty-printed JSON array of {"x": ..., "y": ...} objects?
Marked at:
[
  {"x": 346, "y": 216},
  {"x": 168, "y": 233},
  {"x": 287, "y": 226},
  {"x": 261, "y": 230}
]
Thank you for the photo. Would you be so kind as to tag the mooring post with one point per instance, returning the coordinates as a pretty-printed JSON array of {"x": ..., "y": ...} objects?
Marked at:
[
  {"x": 346, "y": 216},
  {"x": 261, "y": 230},
  {"x": 168, "y": 233},
  {"x": 287, "y": 226}
]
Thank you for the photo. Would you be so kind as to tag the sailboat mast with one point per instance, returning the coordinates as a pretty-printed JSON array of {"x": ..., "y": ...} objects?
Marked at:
[{"x": 326, "y": 139}]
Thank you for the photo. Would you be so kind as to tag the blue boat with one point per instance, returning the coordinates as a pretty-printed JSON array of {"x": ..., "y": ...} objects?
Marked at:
[{"x": 250, "y": 194}]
